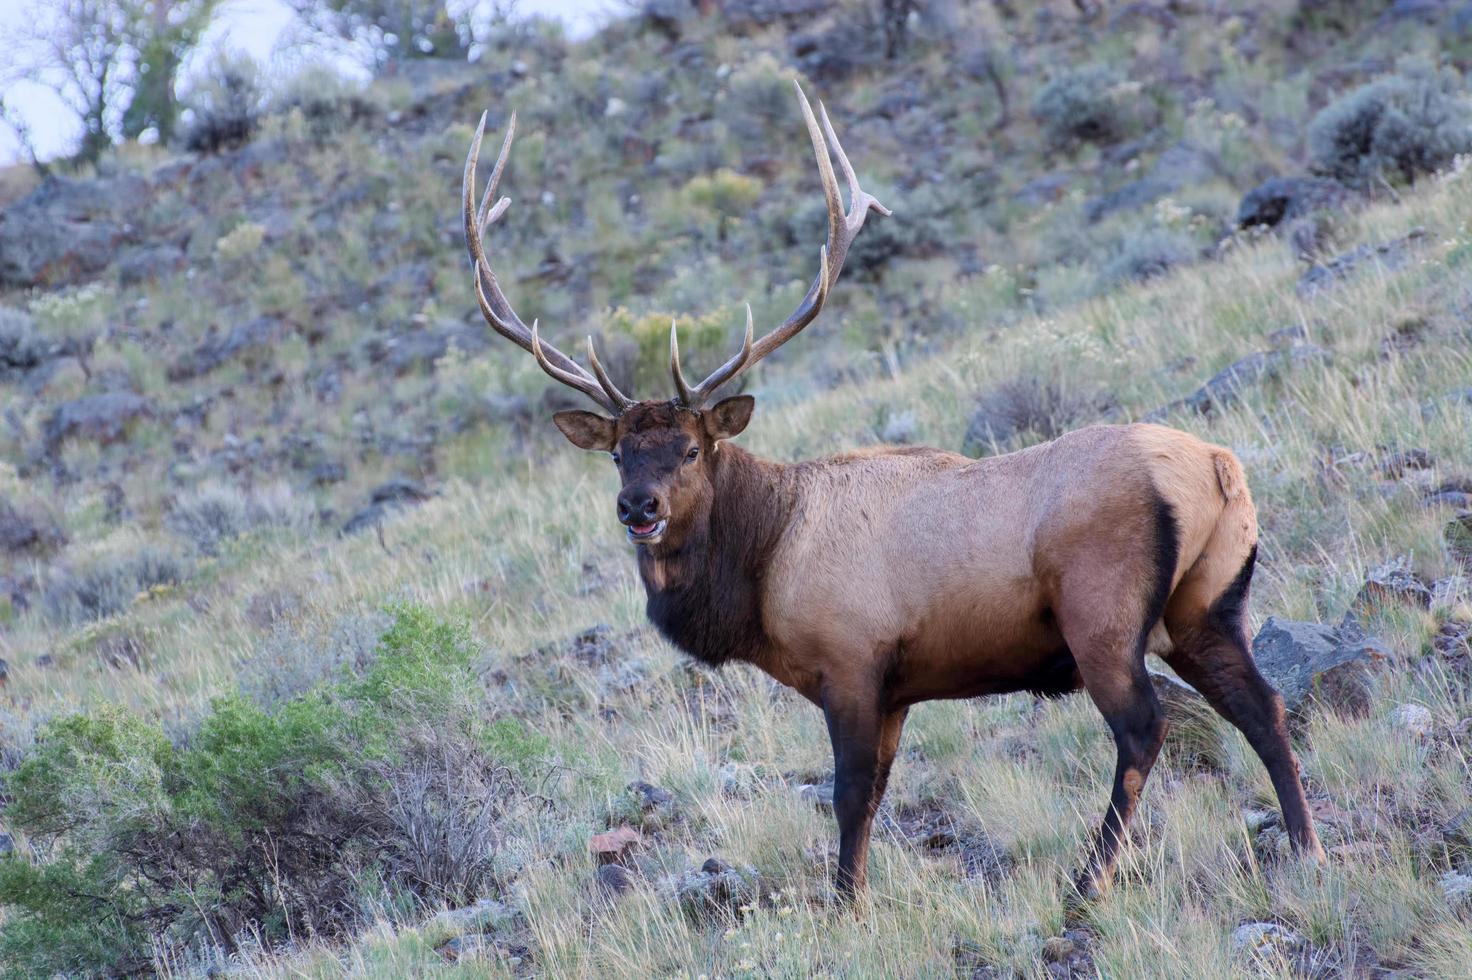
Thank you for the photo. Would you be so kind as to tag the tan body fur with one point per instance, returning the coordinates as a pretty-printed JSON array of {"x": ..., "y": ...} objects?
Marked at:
[{"x": 957, "y": 563}]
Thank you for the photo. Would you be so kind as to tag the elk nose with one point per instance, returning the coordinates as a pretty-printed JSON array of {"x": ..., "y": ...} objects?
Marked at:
[{"x": 638, "y": 506}]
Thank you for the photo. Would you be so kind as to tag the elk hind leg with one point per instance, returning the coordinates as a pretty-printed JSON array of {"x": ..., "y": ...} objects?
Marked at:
[{"x": 1212, "y": 655}]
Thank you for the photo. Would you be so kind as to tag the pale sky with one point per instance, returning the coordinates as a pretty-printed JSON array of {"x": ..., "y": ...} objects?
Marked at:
[{"x": 258, "y": 27}]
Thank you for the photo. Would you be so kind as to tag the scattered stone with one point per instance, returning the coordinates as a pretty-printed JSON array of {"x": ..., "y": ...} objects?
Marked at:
[
  {"x": 68, "y": 230},
  {"x": 937, "y": 831},
  {"x": 1450, "y": 590},
  {"x": 1397, "y": 464},
  {"x": 1413, "y": 718},
  {"x": 487, "y": 913},
  {"x": 1226, "y": 386},
  {"x": 475, "y": 946},
  {"x": 820, "y": 795},
  {"x": 1281, "y": 200},
  {"x": 104, "y": 418},
  {"x": 1307, "y": 661},
  {"x": 615, "y": 880},
  {"x": 1057, "y": 949},
  {"x": 1266, "y": 939},
  {"x": 650, "y": 797},
  {"x": 258, "y": 335},
  {"x": 1457, "y": 887},
  {"x": 1290, "y": 336},
  {"x": 1458, "y": 535},
  {"x": 717, "y": 890},
  {"x": 27, "y": 530},
  {"x": 384, "y": 500},
  {"x": 1393, "y": 582},
  {"x": 1389, "y": 255},
  {"x": 615, "y": 845}
]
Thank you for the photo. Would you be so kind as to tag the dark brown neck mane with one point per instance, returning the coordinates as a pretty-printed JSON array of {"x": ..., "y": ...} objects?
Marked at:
[{"x": 706, "y": 597}]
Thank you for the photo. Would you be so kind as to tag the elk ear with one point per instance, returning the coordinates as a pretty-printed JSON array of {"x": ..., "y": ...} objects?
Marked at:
[
  {"x": 586, "y": 430},
  {"x": 729, "y": 417}
]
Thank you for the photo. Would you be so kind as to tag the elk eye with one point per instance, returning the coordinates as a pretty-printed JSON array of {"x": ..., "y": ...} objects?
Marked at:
[
  {"x": 615, "y": 457},
  {"x": 694, "y": 452}
]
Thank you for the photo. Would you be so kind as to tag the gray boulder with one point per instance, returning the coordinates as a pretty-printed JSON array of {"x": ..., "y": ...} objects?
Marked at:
[
  {"x": 67, "y": 231},
  {"x": 1389, "y": 255},
  {"x": 1309, "y": 662},
  {"x": 103, "y": 418},
  {"x": 1226, "y": 386},
  {"x": 1282, "y": 200}
]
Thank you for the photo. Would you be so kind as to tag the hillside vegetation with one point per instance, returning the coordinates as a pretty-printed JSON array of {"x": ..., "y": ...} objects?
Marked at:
[{"x": 323, "y": 654}]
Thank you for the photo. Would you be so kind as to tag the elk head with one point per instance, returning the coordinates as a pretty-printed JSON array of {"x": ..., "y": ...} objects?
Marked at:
[{"x": 664, "y": 449}]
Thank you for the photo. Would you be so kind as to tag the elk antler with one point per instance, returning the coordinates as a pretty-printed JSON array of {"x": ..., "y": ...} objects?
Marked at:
[
  {"x": 493, "y": 304},
  {"x": 842, "y": 229}
]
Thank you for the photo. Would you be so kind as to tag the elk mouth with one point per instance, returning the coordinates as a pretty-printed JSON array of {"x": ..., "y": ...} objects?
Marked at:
[{"x": 647, "y": 533}]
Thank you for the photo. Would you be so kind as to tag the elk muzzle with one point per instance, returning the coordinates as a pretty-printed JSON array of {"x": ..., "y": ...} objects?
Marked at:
[{"x": 641, "y": 510}]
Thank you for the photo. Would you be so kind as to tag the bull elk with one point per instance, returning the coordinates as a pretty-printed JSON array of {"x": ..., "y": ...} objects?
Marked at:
[{"x": 874, "y": 580}]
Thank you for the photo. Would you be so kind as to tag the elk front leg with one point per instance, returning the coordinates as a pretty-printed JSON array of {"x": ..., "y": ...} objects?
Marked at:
[{"x": 855, "y": 725}]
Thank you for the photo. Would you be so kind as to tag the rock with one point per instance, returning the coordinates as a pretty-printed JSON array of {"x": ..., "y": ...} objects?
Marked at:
[
  {"x": 103, "y": 418},
  {"x": 717, "y": 891},
  {"x": 1389, "y": 255},
  {"x": 384, "y": 500},
  {"x": 475, "y": 946},
  {"x": 260, "y": 334},
  {"x": 1305, "y": 661},
  {"x": 1450, "y": 590},
  {"x": 615, "y": 880},
  {"x": 1127, "y": 197},
  {"x": 1393, "y": 581},
  {"x": 1226, "y": 386},
  {"x": 26, "y": 530},
  {"x": 1057, "y": 949},
  {"x": 1413, "y": 718},
  {"x": 1457, "y": 887},
  {"x": 22, "y": 348},
  {"x": 1047, "y": 189},
  {"x": 1286, "y": 199},
  {"x": 819, "y": 795},
  {"x": 488, "y": 913},
  {"x": 1397, "y": 464},
  {"x": 650, "y": 797},
  {"x": 615, "y": 845},
  {"x": 67, "y": 231},
  {"x": 421, "y": 348},
  {"x": 1266, "y": 939},
  {"x": 1458, "y": 535}
]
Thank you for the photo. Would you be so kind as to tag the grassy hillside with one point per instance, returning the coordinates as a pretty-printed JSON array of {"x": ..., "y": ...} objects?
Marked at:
[{"x": 290, "y": 757}]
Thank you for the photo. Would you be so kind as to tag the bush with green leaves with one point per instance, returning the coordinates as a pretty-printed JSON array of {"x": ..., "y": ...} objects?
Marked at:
[
  {"x": 1092, "y": 104},
  {"x": 268, "y": 821},
  {"x": 225, "y": 110},
  {"x": 1395, "y": 129}
]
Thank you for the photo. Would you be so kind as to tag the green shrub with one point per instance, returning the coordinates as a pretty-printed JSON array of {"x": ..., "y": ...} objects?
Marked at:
[
  {"x": 328, "y": 103},
  {"x": 1146, "y": 254},
  {"x": 107, "y": 584},
  {"x": 225, "y": 110},
  {"x": 268, "y": 820},
  {"x": 1396, "y": 128},
  {"x": 1092, "y": 104}
]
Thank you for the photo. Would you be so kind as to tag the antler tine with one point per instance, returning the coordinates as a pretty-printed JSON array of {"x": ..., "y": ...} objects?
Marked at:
[
  {"x": 492, "y": 301},
  {"x": 618, "y": 397},
  {"x": 689, "y": 397},
  {"x": 843, "y": 227}
]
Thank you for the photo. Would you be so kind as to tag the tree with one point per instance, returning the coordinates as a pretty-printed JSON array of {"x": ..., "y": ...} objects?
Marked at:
[
  {"x": 103, "y": 56},
  {"x": 391, "y": 31},
  {"x": 170, "y": 30}
]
